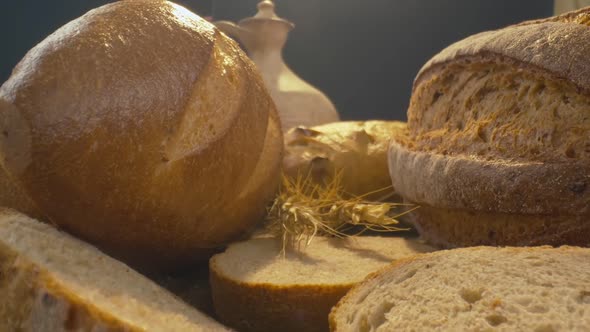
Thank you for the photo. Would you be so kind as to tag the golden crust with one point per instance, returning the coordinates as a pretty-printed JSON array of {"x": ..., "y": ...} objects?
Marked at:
[
  {"x": 514, "y": 93},
  {"x": 266, "y": 307},
  {"x": 251, "y": 202},
  {"x": 132, "y": 127},
  {"x": 557, "y": 45}
]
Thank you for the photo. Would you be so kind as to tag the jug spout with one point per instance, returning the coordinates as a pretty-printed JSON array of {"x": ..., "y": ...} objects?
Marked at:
[{"x": 233, "y": 30}]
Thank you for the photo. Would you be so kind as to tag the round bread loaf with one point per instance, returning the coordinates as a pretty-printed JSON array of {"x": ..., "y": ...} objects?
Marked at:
[
  {"x": 137, "y": 127},
  {"x": 498, "y": 143}
]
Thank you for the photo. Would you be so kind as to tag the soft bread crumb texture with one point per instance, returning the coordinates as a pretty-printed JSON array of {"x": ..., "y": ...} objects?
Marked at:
[
  {"x": 256, "y": 289},
  {"x": 54, "y": 282},
  {"x": 326, "y": 261},
  {"x": 499, "y": 111},
  {"x": 513, "y": 106},
  {"x": 478, "y": 289}
]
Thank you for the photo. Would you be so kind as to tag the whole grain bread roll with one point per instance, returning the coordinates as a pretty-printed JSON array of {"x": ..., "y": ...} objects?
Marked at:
[
  {"x": 137, "y": 127},
  {"x": 498, "y": 143}
]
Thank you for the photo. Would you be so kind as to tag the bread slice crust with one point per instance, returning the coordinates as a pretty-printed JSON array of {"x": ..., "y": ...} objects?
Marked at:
[
  {"x": 272, "y": 307},
  {"x": 476, "y": 184},
  {"x": 469, "y": 201},
  {"x": 557, "y": 44}
]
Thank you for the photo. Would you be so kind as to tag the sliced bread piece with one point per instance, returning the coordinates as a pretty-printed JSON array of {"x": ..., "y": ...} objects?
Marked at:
[
  {"x": 539, "y": 289},
  {"x": 255, "y": 288},
  {"x": 50, "y": 281}
]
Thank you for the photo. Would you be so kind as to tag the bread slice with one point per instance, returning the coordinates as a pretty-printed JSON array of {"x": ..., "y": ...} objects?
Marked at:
[
  {"x": 255, "y": 288},
  {"x": 50, "y": 281},
  {"x": 538, "y": 289},
  {"x": 497, "y": 150}
]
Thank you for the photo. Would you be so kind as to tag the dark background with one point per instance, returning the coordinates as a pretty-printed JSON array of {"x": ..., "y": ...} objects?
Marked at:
[{"x": 363, "y": 54}]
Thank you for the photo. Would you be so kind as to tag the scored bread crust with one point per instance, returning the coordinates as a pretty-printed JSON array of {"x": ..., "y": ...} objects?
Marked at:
[
  {"x": 251, "y": 202},
  {"x": 132, "y": 127},
  {"x": 547, "y": 45},
  {"x": 271, "y": 306},
  {"x": 337, "y": 320}
]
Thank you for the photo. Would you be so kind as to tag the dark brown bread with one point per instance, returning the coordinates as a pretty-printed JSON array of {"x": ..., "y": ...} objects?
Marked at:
[
  {"x": 134, "y": 127},
  {"x": 499, "y": 138}
]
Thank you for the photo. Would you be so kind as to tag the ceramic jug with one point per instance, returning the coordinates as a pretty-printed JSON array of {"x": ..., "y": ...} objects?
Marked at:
[{"x": 264, "y": 36}]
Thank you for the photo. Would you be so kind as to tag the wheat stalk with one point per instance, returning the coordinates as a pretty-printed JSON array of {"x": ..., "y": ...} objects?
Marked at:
[{"x": 304, "y": 209}]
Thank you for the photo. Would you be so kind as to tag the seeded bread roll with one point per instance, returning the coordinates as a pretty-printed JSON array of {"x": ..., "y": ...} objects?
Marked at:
[
  {"x": 139, "y": 127},
  {"x": 498, "y": 143},
  {"x": 538, "y": 289}
]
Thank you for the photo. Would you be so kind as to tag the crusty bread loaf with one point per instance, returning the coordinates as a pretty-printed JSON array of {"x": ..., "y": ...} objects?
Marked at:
[
  {"x": 473, "y": 289},
  {"x": 355, "y": 148},
  {"x": 51, "y": 281},
  {"x": 137, "y": 127},
  {"x": 498, "y": 149},
  {"x": 255, "y": 288}
]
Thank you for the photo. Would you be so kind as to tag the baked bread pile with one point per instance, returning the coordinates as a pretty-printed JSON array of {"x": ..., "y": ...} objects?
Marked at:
[
  {"x": 495, "y": 153},
  {"x": 498, "y": 143},
  {"x": 143, "y": 130}
]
